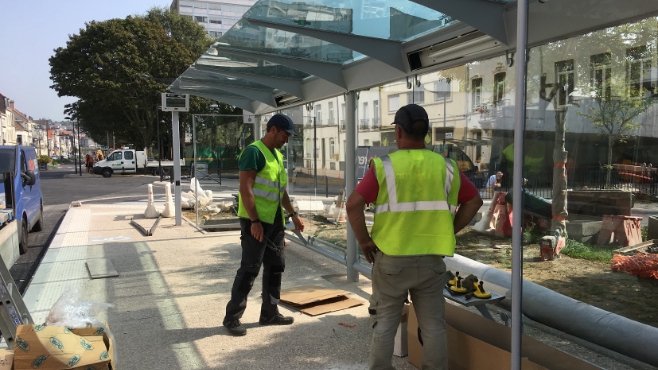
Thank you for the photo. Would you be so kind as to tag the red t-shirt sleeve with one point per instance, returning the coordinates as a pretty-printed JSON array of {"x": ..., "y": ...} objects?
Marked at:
[
  {"x": 368, "y": 187},
  {"x": 467, "y": 190}
]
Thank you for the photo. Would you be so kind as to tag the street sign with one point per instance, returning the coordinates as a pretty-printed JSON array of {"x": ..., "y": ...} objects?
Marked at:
[
  {"x": 175, "y": 102},
  {"x": 106, "y": 147}
]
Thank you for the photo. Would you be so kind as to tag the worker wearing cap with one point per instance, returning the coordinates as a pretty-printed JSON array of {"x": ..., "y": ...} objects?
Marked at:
[
  {"x": 263, "y": 182},
  {"x": 416, "y": 194}
]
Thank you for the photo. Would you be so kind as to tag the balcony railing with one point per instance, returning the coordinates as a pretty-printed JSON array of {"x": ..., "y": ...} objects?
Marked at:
[
  {"x": 375, "y": 123},
  {"x": 364, "y": 124}
]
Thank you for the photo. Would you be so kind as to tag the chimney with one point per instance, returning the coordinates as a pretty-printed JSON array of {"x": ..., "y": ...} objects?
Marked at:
[{"x": 11, "y": 104}]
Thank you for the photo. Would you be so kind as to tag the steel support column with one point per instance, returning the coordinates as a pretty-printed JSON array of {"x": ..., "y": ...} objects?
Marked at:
[
  {"x": 350, "y": 178},
  {"x": 176, "y": 141},
  {"x": 517, "y": 181},
  {"x": 258, "y": 128}
]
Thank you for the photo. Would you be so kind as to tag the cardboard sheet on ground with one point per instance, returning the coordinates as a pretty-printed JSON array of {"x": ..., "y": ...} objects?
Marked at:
[{"x": 316, "y": 300}]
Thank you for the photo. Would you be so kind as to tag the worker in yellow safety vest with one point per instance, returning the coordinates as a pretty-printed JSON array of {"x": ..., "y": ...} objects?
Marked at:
[
  {"x": 421, "y": 200},
  {"x": 263, "y": 182}
]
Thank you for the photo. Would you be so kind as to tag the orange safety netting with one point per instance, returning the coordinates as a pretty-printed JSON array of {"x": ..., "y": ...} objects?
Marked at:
[{"x": 643, "y": 265}]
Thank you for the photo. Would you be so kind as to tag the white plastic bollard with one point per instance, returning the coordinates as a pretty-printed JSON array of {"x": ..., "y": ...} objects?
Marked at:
[
  {"x": 151, "y": 212},
  {"x": 169, "y": 203}
]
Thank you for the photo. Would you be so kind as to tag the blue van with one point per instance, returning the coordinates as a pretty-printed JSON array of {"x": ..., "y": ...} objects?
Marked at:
[{"x": 22, "y": 189}]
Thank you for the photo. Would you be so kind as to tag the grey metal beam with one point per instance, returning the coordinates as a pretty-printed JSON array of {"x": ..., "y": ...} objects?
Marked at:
[
  {"x": 328, "y": 71},
  {"x": 486, "y": 16},
  {"x": 350, "y": 178},
  {"x": 243, "y": 103},
  {"x": 386, "y": 51},
  {"x": 293, "y": 87},
  {"x": 254, "y": 94}
]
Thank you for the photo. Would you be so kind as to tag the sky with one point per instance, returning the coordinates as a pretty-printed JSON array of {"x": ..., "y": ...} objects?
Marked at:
[{"x": 32, "y": 29}]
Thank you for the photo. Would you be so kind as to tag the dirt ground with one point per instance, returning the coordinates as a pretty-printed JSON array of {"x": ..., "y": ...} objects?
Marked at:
[
  {"x": 587, "y": 281},
  {"x": 590, "y": 282}
]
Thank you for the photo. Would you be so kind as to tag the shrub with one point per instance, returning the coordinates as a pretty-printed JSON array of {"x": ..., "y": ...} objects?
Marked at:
[{"x": 44, "y": 159}]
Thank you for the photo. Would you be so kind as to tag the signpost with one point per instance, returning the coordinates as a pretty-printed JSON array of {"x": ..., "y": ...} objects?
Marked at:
[{"x": 175, "y": 103}]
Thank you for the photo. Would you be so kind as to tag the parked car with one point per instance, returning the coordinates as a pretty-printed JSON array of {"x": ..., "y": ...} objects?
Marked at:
[{"x": 22, "y": 189}]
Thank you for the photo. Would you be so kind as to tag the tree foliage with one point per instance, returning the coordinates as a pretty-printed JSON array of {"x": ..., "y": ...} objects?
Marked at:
[{"x": 118, "y": 68}]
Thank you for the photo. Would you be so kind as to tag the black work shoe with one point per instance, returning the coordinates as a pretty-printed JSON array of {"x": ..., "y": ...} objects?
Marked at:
[
  {"x": 235, "y": 328},
  {"x": 276, "y": 320}
]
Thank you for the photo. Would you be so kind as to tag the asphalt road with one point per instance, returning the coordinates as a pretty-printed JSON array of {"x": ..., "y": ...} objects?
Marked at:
[{"x": 60, "y": 187}]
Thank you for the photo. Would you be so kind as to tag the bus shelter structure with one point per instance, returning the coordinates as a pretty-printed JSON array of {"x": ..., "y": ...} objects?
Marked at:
[{"x": 286, "y": 53}]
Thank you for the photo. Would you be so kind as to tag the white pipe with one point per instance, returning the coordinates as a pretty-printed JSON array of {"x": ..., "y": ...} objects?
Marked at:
[
  {"x": 350, "y": 178},
  {"x": 177, "y": 191},
  {"x": 568, "y": 315}
]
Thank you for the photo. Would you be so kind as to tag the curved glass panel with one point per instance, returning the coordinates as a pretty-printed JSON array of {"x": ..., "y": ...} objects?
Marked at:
[
  {"x": 241, "y": 64},
  {"x": 397, "y": 20},
  {"x": 245, "y": 36},
  {"x": 206, "y": 77}
]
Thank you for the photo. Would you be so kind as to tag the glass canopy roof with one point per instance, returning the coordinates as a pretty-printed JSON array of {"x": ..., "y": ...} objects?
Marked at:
[{"x": 290, "y": 52}]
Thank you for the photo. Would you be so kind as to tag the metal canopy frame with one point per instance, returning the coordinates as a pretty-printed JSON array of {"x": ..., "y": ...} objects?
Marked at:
[{"x": 517, "y": 25}]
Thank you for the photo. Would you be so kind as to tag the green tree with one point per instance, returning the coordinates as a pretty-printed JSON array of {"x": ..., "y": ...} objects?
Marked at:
[{"x": 107, "y": 67}]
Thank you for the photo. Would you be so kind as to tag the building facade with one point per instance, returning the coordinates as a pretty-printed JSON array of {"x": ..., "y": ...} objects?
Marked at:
[{"x": 217, "y": 16}]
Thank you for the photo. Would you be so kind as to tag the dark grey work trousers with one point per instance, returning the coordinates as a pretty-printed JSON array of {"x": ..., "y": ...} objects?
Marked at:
[{"x": 255, "y": 254}]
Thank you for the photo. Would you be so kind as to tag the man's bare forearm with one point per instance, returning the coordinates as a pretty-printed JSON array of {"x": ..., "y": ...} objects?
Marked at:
[
  {"x": 357, "y": 219},
  {"x": 287, "y": 204},
  {"x": 466, "y": 212}
]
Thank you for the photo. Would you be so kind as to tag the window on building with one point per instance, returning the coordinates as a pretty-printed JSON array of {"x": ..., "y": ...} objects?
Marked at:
[
  {"x": 187, "y": 16},
  {"x": 318, "y": 114},
  {"x": 213, "y": 6},
  {"x": 200, "y": 5},
  {"x": 416, "y": 96},
  {"x": 201, "y": 19},
  {"x": 215, "y": 20},
  {"x": 332, "y": 148},
  {"x": 600, "y": 73},
  {"x": 215, "y": 34},
  {"x": 642, "y": 80},
  {"x": 442, "y": 89},
  {"x": 564, "y": 70},
  {"x": 375, "y": 113},
  {"x": 499, "y": 87},
  {"x": 476, "y": 91},
  {"x": 309, "y": 147},
  {"x": 393, "y": 102},
  {"x": 331, "y": 113}
]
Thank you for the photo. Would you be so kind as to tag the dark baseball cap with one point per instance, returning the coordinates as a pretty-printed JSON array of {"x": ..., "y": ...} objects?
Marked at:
[
  {"x": 283, "y": 122},
  {"x": 407, "y": 115}
]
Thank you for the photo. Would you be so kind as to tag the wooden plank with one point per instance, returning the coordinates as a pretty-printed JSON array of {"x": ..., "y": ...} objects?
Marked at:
[{"x": 635, "y": 247}]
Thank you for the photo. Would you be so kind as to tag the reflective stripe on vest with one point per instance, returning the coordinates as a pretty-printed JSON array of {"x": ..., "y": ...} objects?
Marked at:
[
  {"x": 416, "y": 203},
  {"x": 394, "y": 206}
]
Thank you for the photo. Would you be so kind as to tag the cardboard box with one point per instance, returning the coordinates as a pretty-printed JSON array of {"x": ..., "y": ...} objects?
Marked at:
[
  {"x": 401, "y": 341},
  {"x": 55, "y": 347},
  {"x": 6, "y": 359},
  {"x": 315, "y": 300},
  {"x": 475, "y": 342}
]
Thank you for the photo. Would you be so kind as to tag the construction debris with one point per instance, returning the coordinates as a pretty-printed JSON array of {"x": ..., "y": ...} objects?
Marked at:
[{"x": 642, "y": 265}]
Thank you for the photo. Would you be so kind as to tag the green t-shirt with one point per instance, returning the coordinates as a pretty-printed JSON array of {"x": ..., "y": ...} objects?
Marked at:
[{"x": 253, "y": 159}]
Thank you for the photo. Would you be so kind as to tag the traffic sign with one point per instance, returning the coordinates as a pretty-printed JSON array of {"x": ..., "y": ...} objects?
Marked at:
[{"x": 106, "y": 147}]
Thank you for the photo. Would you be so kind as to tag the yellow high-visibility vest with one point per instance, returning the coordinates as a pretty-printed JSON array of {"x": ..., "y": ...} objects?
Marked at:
[
  {"x": 269, "y": 186},
  {"x": 416, "y": 203}
]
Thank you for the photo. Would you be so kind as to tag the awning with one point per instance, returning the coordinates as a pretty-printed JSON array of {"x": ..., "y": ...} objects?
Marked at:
[{"x": 287, "y": 53}]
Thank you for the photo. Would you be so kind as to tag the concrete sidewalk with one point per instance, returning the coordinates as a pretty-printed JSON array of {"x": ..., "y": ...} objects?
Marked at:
[{"x": 171, "y": 293}]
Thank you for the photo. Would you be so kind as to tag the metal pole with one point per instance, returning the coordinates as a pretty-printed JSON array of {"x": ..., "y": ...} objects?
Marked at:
[
  {"x": 517, "y": 181},
  {"x": 176, "y": 141},
  {"x": 444, "y": 120},
  {"x": 350, "y": 178},
  {"x": 196, "y": 179},
  {"x": 257, "y": 128},
  {"x": 79, "y": 148},
  {"x": 159, "y": 153},
  {"x": 75, "y": 164},
  {"x": 315, "y": 157}
]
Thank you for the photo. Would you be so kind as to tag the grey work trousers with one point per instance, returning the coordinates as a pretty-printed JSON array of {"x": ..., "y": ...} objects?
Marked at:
[{"x": 393, "y": 279}]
